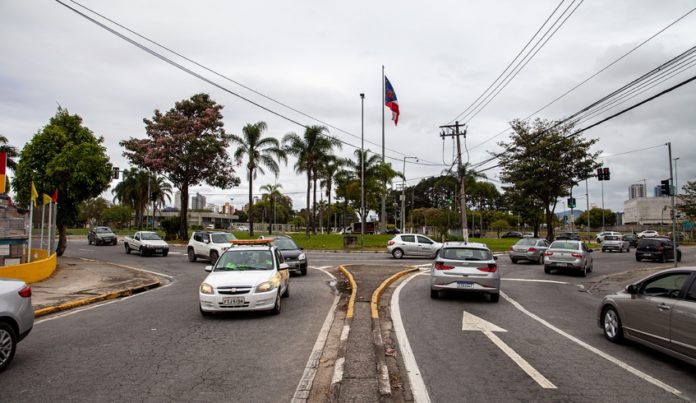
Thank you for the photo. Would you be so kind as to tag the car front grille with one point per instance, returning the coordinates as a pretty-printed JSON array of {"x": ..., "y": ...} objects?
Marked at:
[{"x": 234, "y": 290}]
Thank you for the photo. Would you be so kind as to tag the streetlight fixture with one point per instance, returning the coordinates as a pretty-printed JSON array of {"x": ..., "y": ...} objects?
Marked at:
[{"x": 403, "y": 195}]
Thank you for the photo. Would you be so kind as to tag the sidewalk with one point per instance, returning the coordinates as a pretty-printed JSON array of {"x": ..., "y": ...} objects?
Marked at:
[{"x": 78, "y": 282}]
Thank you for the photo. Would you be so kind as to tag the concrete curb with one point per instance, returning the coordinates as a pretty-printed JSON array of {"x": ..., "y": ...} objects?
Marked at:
[
  {"x": 91, "y": 300},
  {"x": 337, "y": 377}
]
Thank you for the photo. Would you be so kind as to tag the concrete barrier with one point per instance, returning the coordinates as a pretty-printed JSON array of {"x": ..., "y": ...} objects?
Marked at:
[{"x": 41, "y": 268}]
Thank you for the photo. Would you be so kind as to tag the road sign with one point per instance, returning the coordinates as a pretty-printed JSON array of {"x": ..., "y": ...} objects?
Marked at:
[{"x": 688, "y": 225}]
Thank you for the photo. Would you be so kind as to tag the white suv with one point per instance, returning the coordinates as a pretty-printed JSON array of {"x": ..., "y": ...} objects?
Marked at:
[
  {"x": 208, "y": 245},
  {"x": 600, "y": 237}
]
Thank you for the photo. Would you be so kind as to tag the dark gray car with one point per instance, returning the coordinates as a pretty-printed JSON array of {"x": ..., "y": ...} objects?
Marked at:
[
  {"x": 16, "y": 317},
  {"x": 101, "y": 236},
  {"x": 658, "y": 311},
  {"x": 530, "y": 249},
  {"x": 293, "y": 255}
]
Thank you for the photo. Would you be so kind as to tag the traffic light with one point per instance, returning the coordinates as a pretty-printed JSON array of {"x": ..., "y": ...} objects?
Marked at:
[
  {"x": 571, "y": 202},
  {"x": 600, "y": 174},
  {"x": 606, "y": 173},
  {"x": 115, "y": 173},
  {"x": 664, "y": 187}
]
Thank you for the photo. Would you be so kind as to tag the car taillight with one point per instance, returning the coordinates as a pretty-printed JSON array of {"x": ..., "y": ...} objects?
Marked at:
[
  {"x": 391, "y": 242},
  {"x": 578, "y": 255},
  {"x": 491, "y": 268},
  {"x": 532, "y": 250},
  {"x": 547, "y": 253},
  {"x": 442, "y": 266},
  {"x": 25, "y": 292},
  {"x": 660, "y": 248}
]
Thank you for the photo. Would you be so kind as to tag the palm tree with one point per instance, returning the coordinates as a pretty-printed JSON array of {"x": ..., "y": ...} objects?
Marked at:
[
  {"x": 372, "y": 180},
  {"x": 310, "y": 150},
  {"x": 160, "y": 193},
  {"x": 260, "y": 152},
  {"x": 132, "y": 192},
  {"x": 328, "y": 173},
  {"x": 272, "y": 194}
]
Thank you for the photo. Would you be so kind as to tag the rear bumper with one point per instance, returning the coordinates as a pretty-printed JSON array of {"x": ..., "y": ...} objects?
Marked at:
[
  {"x": 532, "y": 257},
  {"x": 465, "y": 284}
]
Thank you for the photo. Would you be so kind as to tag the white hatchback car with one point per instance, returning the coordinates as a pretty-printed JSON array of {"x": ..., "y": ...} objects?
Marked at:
[
  {"x": 412, "y": 245},
  {"x": 252, "y": 276}
]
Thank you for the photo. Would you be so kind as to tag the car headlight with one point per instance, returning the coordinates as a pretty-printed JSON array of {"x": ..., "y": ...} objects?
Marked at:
[
  {"x": 265, "y": 286},
  {"x": 206, "y": 289},
  {"x": 302, "y": 256}
]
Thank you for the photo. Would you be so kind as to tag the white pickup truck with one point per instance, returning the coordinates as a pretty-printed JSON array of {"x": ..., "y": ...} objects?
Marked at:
[{"x": 147, "y": 243}]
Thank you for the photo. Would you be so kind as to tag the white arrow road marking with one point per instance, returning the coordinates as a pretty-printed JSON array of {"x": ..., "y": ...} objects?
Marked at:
[{"x": 474, "y": 323}]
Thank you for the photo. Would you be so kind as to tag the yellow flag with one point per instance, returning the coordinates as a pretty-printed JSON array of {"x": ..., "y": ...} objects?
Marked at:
[
  {"x": 34, "y": 193},
  {"x": 46, "y": 199}
]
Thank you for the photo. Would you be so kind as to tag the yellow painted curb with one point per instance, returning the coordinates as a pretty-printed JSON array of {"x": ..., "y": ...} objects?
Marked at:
[
  {"x": 353, "y": 293},
  {"x": 386, "y": 283},
  {"x": 86, "y": 301}
]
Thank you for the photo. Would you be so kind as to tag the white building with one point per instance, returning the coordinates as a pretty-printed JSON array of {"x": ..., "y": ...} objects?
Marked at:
[
  {"x": 177, "y": 200},
  {"x": 198, "y": 202},
  {"x": 637, "y": 190},
  {"x": 648, "y": 210}
]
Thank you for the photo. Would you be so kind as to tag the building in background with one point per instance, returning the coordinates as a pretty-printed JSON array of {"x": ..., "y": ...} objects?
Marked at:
[
  {"x": 637, "y": 190},
  {"x": 177, "y": 200},
  {"x": 649, "y": 210},
  {"x": 658, "y": 191},
  {"x": 213, "y": 207},
  {"x": 198, "y": 202}
]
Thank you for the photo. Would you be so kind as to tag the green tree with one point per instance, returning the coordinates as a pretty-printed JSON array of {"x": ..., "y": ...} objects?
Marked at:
[
  {"x": 132, "y": 192},
  {"x": 596, "y": 218},
  {"x": 310, "y": 149},
  {"x": 117, "y": 215},
  {"x": 67, "y": 157},
  {"x": 91, "y": 210},
  {"x": 543, "y": 160},
  {"x": 328, "y": 172},
  {"x": 260, "y": 152},
  {"x": 187, "y": 144},
  {"x": 687, "y": 200},
  {"x": 499, "y": 225}
]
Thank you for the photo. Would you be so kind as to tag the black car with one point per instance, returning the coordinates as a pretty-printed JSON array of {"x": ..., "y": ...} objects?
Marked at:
[
  {"x": 632, "y": 239},
  {"x": 101, "y": 236},
  {"x": 293, "y": 255},
  {"x": 565, "y": 236},
  {"x": 512, "y": 234},
  {"x": 393, "y": 231},
  {"x": 660, "y": 249}
]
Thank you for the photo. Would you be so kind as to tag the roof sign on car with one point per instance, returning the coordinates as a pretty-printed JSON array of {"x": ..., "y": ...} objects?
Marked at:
[{"x": 251, "y": 241}]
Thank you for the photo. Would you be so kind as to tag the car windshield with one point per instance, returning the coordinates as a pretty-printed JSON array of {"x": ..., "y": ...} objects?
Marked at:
[
  {"x": 150, "y": 236},
  {"x": 234, "y": 260},
  {"x": 567, "y": 245},
  {"x": 222, "y": 238},
  {"x": 102, "y": 230},
  {"x": 611, "y": 238},
  {"x": 526, "y": 242},
  {"x": 284, "y": 244},
  {"x": 466, "y": 254}
]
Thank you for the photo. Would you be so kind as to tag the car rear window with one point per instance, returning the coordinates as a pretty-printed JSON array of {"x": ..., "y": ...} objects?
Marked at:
[
  {"x": 565, "y": 245},
  {"x": 526, "y": 242},
  {"x": 611, "y": 238},
  {"x": 652, "y": 242},
  {"x": 465, "y": 254}
]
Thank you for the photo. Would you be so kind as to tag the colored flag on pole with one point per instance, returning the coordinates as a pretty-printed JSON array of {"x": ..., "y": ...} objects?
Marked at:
[
  {"x": 34, "y": 193},
  {"x": 390, "y": 100},
  {"x": 3, "y": 166},
  {"x": 55, "y": 197},
  {"x": 46, "y": 199}
]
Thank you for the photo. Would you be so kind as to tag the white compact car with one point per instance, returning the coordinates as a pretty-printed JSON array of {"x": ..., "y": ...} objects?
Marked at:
[{"x": 252, "y": 276}]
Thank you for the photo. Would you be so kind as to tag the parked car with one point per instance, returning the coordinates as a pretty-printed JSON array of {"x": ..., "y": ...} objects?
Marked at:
[
  {"x": 293, "y": 255},
  {"x": 392, "y": 231},
  {"x": 412, "y": 245},
  {"x": 242, "y": 228},
  {"x": 252, "y": 276},
  {"x": 615, "y": 242},
  {"x": 16, "y": 318},
  {"x": 465, "y": 267},
  {"x": 530, "y": 249},
  {"x": 568, "y": 236},
  {"x": 600, "y": 237},
  {"x": 208, "y": 245},
  {"x": 512, "y": 234},
  {"x": 658, "y": 248},
  {"x": 648, "y": 233},
  {"x": 570, "y": 255},
  {"x": 101, "y": 236},
  {"x": 658, "y": 311},
  {"x": 680, "y": 236},
  {"x": 632, "y": 239}
]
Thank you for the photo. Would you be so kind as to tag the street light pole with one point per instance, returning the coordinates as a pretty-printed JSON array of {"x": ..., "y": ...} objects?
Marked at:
[
  {"x": 674, "y": 214},
  {"x": 403, "y": 195},
  {"x": 362, "y": 169}
]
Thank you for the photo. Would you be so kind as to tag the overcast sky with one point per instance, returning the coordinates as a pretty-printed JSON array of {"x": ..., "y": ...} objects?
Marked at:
[{"x": 318, "y": 56}]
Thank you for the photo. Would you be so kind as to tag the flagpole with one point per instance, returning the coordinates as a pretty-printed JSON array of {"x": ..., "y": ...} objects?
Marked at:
[
  {"x": 383, "y": 215},
  {"x": 48, "y": 241},
  {"x": 31, "y": 225},
  {"x": 43, "y": 215}
]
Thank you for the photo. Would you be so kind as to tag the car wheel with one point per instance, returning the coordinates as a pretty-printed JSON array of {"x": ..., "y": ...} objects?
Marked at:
[
  {"x": 303, "y": 271},
  {"x": 514, "y": 261},
  {"x": 547, "y": 270},
  {"x": 397, "y": 253},
  {"x": 89, "y": 241},
  {"x": 663, "y": 258},
  {"x": 678, "y": 256},
  {"x": 611, "y": 323},
  {"x": 276, "y": 308},
  {"x": 541, "y": 259},
  {"x": 204, "y": 313},
  {"x": 8, "y": 345},
  {"x": 165, "y": 253},
  {"x": 603, "y": 250},
  {"x": 287, "y": 291},
  {"x": 583, "y": 273},
  {"x": 494, "y": 297},
  {"x": 638, "y": 258},
  {"x": 434, "y": 294},
  {"x": 115, "y": 242},
  {"x": 191, "y": 255},
  {"x": 128, "y": 249},
  {"x": 213, "y": 257}
]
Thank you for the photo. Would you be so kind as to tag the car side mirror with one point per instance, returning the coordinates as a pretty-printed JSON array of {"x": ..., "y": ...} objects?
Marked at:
[
  {"x": 301, "y": 248},
  {"x": 283, "y": 266},
  {"x": 208, "y": 268},
  {"x": 495, "y": 257},
  {"x": 632, "y": 289}
]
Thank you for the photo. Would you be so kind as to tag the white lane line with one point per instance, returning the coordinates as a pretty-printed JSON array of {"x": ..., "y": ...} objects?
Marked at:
[
  {"x": 597, "y": 351},
  {"x": 418, "y": 389},
  {"x": 535, "y": 281},
  {"x": 305, "y": 385}
]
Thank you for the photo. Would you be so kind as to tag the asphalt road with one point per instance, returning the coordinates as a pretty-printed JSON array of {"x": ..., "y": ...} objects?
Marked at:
[
  {"x": 156, "y": 346},
  {"x": 565, "y": 350}
]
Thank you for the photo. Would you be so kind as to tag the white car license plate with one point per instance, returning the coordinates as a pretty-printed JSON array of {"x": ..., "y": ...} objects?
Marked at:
[
  {"x": 465, "y": 284},
  {"x": 236, "y": 301},
  {"x": 158, "y": 250}
]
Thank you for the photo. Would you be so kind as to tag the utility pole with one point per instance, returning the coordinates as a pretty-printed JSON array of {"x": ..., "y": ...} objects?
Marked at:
[
  {"x": 587, "y": 198},
  {"x": 674, "y": 214},
  {"x": 362, "y": 170},
  {"x": 454, "y": 132}
]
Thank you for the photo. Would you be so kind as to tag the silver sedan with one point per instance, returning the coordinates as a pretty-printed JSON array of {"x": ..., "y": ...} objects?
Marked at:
[
  {"x": 658, "y": 311},
  {"x": 16, "y": 317},
  {"x": 531, "y": 249},
  {"x": 568, "y": 255}
]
